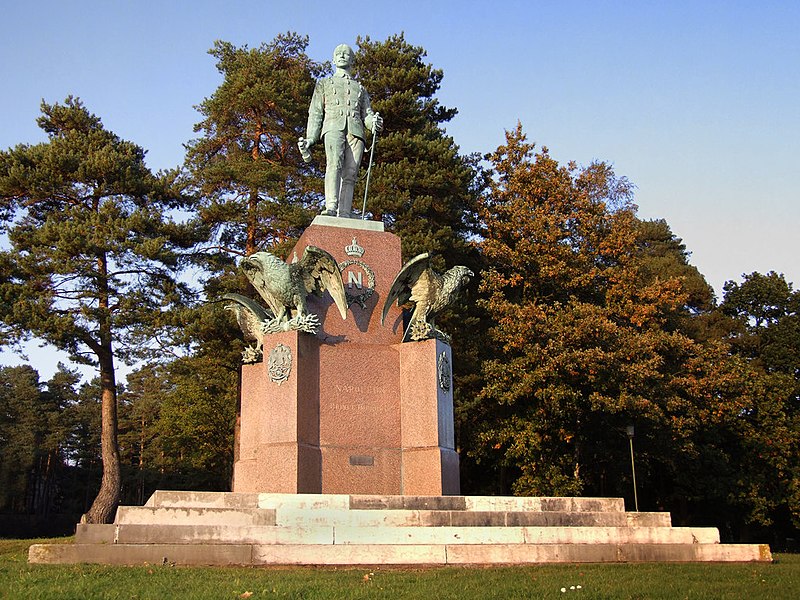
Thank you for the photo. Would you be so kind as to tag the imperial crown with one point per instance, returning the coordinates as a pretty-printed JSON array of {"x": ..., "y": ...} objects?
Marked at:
[{"x": 354, "y": 249}]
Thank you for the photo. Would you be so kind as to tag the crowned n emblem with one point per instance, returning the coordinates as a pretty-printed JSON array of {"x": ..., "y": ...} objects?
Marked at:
[{"x": 353, "y": 270}]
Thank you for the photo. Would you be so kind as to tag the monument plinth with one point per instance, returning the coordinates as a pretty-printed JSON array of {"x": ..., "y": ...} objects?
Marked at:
[{"x": 350, "y": 410}]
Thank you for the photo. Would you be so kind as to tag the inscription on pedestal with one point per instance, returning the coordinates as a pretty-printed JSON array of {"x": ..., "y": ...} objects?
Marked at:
[{"x": 362, "y": 461}]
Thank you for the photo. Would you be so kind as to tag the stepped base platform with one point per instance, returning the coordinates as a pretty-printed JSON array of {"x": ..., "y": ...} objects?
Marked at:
[{"x": 216, "y": 528}]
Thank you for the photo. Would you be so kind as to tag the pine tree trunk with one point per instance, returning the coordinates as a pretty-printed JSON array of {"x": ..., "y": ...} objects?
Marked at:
[
  {"x": 252, "y": 223},
  {"x": 105, "y": 504}
]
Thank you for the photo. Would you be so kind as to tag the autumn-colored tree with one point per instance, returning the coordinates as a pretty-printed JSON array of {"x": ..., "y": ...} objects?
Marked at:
[
  {"x": 578, "y": 332},
  {"x": 590, "y": 310}
]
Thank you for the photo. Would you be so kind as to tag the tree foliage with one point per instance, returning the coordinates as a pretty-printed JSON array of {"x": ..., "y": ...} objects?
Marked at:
[
  {"x": 764, "y": 313},
  {"x": 420, "y": 185},
  {"x": 252, "y": 185},
  {"x": 36, "y": 422},
  {"x": 93, "y": 256},
  {"x": 177, "y": 426},
  {"x": 767, "y": 312},
  {"x": 663, "y": 255},
  {"x": 574, "y": 334}
]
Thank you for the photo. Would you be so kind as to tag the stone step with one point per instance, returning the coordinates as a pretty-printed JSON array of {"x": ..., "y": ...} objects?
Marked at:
[
  {"x": 372, "y": 502},
  {"x": 382, "y": 554},
  {"x": 565, "y": 504},
  {"x": 294, "y": 516},
  {"x": 155, "y": 515},
  {"x": 525, "y": 535},
  {"x": 288, "y": 516},
  {"x": 181, "y": 499},
  {"x": 266, "y": 535}
]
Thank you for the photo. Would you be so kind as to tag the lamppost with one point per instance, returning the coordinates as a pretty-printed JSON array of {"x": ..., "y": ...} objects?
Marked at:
[{"x": 630, "y": 430}]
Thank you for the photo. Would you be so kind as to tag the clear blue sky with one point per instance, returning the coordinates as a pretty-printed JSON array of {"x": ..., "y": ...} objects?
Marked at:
[{"x": 697, "y": 103}]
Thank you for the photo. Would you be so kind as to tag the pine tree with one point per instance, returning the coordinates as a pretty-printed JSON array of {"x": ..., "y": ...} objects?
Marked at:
[
  {"x": 252, "y": 185},
  {"x": 420, "y": 185},
  {"x": 93, "y": 256},
  {"x": 663, "y": 255},
  {"x": 21, "y": 431}
]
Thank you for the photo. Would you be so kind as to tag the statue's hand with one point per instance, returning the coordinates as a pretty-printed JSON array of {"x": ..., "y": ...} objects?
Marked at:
[
  {"x": 377, "y": 122},
  {"x": 303, "y": 144}
]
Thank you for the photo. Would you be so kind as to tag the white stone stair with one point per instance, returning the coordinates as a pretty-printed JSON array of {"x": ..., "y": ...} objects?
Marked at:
[{"x": 261, "y": 529}]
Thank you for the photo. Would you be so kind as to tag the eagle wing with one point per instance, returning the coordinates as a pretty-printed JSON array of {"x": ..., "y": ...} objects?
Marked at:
[
  {"x": 249, "y": 315},
  {"x": 403, "y": 286},
  {"x": 426, "y": 293},
  {"x": 270, "y": 278},
  {"x": 321, "y": 272}
]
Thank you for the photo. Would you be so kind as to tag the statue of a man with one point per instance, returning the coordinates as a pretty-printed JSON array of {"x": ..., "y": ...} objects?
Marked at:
[{"x": 339, "y": 112}]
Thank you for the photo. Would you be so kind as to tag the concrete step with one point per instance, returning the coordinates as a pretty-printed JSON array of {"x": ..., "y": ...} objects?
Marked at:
[
  {"x": 294, "y": 515},
  {"x": 288, "y": 516},
  {"x": 524, "y": 535},
  {"x": 379, "y": 554},
  {"x": 138, "y": 554},
  {"x": 316, "y": 510},
  {"x": 178, "y": 499},
  {"x": 154, "y": 515},
  {"x": 266, "y": 535}
]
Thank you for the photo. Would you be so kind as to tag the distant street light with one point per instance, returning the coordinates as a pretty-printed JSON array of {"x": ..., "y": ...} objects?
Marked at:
[{"x": 630, "y": 430}]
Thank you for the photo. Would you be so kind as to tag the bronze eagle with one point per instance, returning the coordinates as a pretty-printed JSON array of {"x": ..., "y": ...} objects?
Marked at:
[
  {"x": 251, "y": 318},
  {"x": 284, "y": 287},
  {"x": 430, "y": 292}
]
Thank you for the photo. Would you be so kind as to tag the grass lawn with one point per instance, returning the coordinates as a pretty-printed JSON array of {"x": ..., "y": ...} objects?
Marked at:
[{"x": 19, "y": 580}]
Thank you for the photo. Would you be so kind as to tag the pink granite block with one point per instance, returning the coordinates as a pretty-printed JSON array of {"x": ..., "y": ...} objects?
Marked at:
[
  {"x": 422, "y": 471},
  {"x": 361, "y": 470},
  {"x": 375, "y": 269},
  {"x": 359, "y": 398},
  {"x": 427, "y": 407}
]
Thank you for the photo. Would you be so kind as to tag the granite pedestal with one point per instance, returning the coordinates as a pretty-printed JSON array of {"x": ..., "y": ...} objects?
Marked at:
[{"x": 359, "y": 412}]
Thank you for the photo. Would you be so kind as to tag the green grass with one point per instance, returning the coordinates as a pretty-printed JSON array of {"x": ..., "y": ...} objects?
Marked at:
[{"x": 19, "y": 580}]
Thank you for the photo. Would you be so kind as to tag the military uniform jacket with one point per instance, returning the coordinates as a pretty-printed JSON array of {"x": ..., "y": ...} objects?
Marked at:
[{"x": 339, "y": 103}]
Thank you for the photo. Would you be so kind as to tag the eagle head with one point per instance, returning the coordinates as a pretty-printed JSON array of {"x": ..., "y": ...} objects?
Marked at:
[{"x": 455, "y": 279}]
